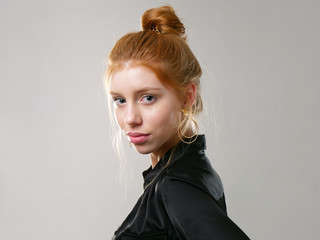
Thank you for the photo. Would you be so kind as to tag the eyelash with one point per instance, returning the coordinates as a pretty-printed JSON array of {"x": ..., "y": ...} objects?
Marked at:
[
  {"x": 116, "y": 101},
  {"x": 119, "y": 101},
  {"x": 148, "y": 96}
]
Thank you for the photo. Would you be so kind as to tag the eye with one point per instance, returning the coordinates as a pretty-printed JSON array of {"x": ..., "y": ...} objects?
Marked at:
[
  {"x": 119, "y": 101},
  {"x": 148, "y": 99}
]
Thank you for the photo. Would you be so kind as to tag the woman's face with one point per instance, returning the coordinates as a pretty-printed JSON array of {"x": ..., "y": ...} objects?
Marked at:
[{"x": 148, "y": 112}]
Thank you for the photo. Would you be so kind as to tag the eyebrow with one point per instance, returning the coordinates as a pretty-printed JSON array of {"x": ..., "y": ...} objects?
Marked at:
[{"x": 146, "y": 89}]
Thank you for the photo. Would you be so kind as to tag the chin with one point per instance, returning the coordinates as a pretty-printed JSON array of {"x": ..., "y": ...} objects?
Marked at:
[{"x": 142, "y": 149}]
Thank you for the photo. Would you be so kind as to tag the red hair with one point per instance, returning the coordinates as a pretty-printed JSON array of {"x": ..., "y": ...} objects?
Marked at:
[{"x": 161, "y": 46}]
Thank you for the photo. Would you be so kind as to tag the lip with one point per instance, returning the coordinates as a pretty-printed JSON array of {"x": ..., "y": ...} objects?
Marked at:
[{"x": 138, "y": 138}]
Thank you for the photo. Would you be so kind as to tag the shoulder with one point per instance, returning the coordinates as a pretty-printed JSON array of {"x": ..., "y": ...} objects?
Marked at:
[
  {"x": 193, "y": 206},
  {"x": 195, "y": 169}
]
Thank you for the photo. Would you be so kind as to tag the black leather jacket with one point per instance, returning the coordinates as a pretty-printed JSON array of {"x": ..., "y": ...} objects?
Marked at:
[{"x": 184, "y": 200}]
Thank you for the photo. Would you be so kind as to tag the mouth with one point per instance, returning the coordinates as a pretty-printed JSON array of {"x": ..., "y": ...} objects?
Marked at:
[{"x": 138, "y": 138}]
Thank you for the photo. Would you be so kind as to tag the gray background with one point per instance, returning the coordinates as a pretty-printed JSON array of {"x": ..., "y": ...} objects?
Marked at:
[{"x": 58, "y": 172}]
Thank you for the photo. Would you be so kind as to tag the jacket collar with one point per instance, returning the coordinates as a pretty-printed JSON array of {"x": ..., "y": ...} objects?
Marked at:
[{"x": 182, "y": 149}]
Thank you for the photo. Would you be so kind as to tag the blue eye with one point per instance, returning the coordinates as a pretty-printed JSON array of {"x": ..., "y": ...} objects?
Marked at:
[
  {"x": 148, "y": 99},
  {"x": 119, "y": 101}
]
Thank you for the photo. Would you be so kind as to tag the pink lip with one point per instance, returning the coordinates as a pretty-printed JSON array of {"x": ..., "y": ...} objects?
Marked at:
[{"x": 138, "y": 138}]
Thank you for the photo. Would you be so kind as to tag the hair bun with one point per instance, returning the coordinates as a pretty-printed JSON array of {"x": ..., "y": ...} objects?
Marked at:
[{"x": 164, "y": 20}]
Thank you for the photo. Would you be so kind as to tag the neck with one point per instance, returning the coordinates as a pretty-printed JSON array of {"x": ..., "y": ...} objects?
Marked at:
[
  {"x": 157, "y": 155},
  {"x": 154, "y": 160}
]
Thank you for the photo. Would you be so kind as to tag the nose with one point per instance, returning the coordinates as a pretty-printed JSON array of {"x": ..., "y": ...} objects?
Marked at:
[{"x": 133, "y": 116}]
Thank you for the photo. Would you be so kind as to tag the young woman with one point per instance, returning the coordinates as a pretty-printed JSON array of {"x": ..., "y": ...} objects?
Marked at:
[{"x": 153, "y": 80}]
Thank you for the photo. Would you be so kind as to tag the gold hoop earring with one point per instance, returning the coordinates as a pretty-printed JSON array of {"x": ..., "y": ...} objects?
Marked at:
[
  {"x": 181, "y": 135},
  {"x": 184, "y": 111}
]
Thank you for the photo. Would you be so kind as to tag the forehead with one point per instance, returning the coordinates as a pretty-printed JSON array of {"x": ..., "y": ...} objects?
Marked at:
[{"x": 134, "y": 78}]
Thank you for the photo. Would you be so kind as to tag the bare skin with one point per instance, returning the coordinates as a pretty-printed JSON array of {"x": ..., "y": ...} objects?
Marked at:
[{"x": 147, "y": 111}]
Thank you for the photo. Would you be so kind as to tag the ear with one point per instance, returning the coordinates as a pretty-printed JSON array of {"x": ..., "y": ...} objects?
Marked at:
[{"x": 190, "y": 96}]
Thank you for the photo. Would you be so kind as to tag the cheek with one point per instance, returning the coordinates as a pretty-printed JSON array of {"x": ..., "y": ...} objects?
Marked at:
[
  {"x": 173, "y": 119},
  {"x": 164, "y": 118}
]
